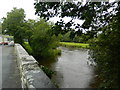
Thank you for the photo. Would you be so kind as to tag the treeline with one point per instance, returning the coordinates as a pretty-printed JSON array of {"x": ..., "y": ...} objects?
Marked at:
[
  {"x": 76, "y": 36},
  {"x": 41, "y": 42}
]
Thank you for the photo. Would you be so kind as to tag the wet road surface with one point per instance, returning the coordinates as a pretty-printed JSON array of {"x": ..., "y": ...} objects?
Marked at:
[
  {"x": 0, "y": 67},
  {"x": 10, "y": 72}
]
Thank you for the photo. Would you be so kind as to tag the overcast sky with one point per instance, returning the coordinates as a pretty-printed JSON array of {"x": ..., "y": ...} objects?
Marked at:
[{"x": 27, "y": 5}]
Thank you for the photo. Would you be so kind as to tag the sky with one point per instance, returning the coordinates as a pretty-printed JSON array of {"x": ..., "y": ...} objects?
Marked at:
[{"x": 27, "y": 5}]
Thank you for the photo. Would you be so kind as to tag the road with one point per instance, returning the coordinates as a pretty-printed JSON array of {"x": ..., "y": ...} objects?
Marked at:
[
  {"x": 10, "y": 72},
  {"x": 0, "y": 67}
]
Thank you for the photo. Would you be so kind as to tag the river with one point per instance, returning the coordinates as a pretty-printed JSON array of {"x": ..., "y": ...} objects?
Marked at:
[{"x": 71, "y": 69}]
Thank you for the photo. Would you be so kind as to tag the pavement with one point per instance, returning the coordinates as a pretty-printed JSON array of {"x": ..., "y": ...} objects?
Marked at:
[{"x": 10, "y": 71}]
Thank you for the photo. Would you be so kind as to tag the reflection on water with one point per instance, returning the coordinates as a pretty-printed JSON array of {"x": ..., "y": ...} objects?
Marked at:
[{"x": 71, "y": 68}]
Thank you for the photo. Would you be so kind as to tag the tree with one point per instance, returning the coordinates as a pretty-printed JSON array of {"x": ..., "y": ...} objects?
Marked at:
[
  {"x": 94, "y": 14},
  {"x": 105, "y": 52},
  {"x": 29, "y": 29},
  {"x": 66, "y": 37},
  {"x": 14, "y": 24},
  {"x": 43, "y": 42}
]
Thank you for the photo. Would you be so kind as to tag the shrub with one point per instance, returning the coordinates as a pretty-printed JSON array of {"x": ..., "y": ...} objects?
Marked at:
[
  {"x": 43, "y": 42},
  {"x": 27, "y": 47},
  {"x": 105, "y": 50},
  {"x": 48, "y": 71}
]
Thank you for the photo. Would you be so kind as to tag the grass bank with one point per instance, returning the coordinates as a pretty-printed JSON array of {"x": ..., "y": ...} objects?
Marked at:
[
  {"x": 74, "y": 45},
  {"x": 27, "y": 47}
]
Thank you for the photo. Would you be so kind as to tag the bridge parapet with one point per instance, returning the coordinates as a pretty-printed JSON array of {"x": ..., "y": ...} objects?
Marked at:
[{"x": 31, "y": 74}]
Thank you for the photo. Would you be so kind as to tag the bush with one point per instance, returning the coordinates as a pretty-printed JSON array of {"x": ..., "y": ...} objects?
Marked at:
[
  {"x": 105, "y": 50},
  {"x": 48, "y": 71},
  {"x": 57, "y": 52},
  {"x": 43, "y": 42},
  {"x": 27, "y": 47}
]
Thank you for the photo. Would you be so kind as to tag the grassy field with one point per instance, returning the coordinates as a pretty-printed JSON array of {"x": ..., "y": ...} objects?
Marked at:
[{"x": 74, "y": 45}]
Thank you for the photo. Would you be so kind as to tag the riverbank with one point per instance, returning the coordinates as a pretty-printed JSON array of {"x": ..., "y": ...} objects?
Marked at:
[
  {"x": 65, "y": 44},
  {"x": 74, "y": 45}
]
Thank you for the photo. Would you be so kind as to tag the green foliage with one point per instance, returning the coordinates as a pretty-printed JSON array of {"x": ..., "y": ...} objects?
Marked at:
[
  {"x": 60, "y": 36},
  {"x": 105, "y": 52},
  {"x": 48, "y": 71},
  {"x": 29, "y": 29},
  {"x": 27, "y": 47},
  {"x": 13, "y": 24},
  {"x": 71, "y": 36},
  {"x": 66, "y": 37},
  {"x": 42, "y": 41},
  {"x": 80, "y": 39},
  {"x": 94, "y": 14},
  {"x": 57, "y": 52}
]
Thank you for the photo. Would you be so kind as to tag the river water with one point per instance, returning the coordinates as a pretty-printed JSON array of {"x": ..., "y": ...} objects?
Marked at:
[{"x": 71, "y": 68}]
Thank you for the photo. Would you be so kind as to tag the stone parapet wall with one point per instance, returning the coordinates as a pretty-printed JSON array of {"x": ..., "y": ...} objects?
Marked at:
[{"x": 31, "y": 74}]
